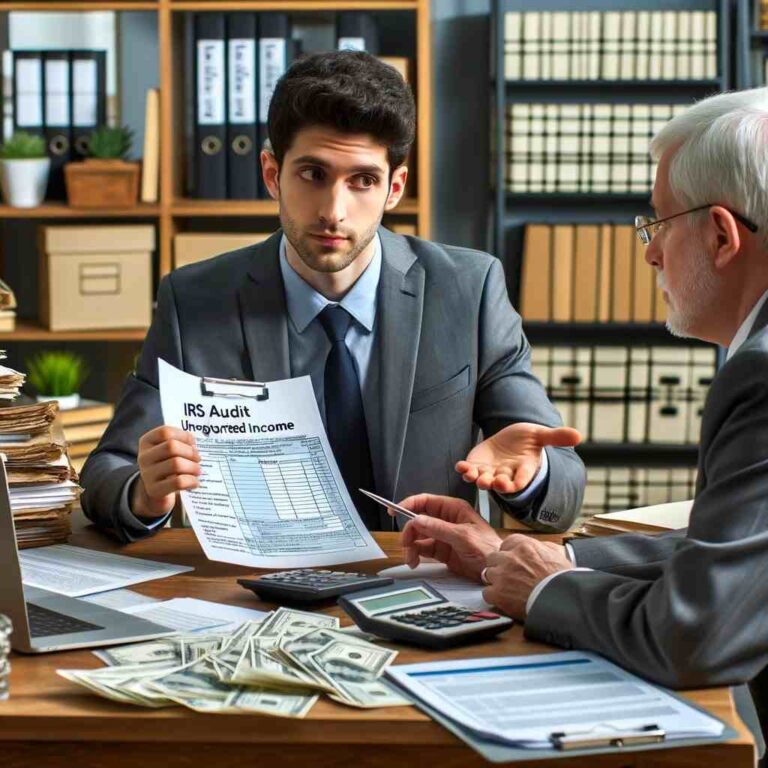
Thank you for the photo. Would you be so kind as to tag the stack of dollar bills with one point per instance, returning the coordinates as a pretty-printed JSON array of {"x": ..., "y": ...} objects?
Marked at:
[{"x": 278, "y": 666}]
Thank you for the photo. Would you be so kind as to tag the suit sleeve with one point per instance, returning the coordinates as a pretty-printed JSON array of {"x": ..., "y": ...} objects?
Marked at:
[
  {"x": 507, "y": 393},
  {"x": 699, "y": 617},
  {"x": 113, "y": 465}
]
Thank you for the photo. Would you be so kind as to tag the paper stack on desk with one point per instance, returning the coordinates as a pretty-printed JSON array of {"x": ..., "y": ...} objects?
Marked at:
[
  {"x": 42, "y": 484},
  {"x": 657, "y": 518}
]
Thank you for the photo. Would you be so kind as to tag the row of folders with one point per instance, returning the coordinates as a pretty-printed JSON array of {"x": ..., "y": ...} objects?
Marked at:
[
  {"x": 628, "y": 394},
  {"x": 583, "y": 147},
  {"x": 236, "y": 60},
  {"x": 610, "y": 489},
  {"x": 588, "y": 273},
  {"x": 612, "y": 45}
]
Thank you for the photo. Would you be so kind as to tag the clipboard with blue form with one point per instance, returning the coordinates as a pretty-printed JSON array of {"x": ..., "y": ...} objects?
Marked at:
[
  {"x": 270, "y": 494},
  {"x": 540, "y": 706}
]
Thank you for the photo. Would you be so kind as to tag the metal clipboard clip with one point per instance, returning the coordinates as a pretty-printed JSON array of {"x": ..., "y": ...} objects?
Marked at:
[
  {"x": 596, "y": 737},
  {"x": 212, "y": 387}
]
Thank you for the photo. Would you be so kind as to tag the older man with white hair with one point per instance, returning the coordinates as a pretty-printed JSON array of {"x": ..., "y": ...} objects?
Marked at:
[{"x": 689, "y": 608}]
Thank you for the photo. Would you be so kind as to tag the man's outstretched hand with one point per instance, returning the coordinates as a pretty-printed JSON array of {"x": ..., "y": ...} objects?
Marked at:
[{"x": 507, "y": 461}]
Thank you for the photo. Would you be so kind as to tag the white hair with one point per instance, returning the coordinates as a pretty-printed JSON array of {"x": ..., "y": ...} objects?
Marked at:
[{"x": 722, "y": 154}]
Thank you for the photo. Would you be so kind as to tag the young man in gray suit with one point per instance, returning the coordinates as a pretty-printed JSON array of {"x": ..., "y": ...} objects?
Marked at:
[
  {"x": 411, "y": 346},
  {"x": 686, "y": 609}
]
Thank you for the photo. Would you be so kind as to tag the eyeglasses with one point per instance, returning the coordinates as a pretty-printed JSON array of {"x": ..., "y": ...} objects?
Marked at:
[{"x": 647, "y": 227}]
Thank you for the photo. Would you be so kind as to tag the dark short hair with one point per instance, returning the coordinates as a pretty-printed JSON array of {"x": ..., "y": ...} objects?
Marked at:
[{"x": 350, "y": 91}]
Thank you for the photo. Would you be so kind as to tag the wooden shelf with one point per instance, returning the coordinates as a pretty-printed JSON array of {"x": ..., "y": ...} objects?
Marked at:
[
  {"x": 28, "y": 331},
  {"x": 187, "y": 207},
  {"x": 645, "y": 454},
  {"x": 80, "y": 5},
  {"x": 63, "y": 211},
  {"x": 618, "y": 334},
  {"x": 294, "y": 5}
]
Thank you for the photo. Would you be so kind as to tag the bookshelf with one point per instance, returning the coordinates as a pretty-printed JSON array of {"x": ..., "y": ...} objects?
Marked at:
[
  {"x": 512, "y": 211},
  {"x": 752, "y": 46},
  {"x": 174, "y": 213}
]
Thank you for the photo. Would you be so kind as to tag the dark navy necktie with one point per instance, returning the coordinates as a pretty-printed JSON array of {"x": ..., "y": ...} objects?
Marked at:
[{"x": 344, "y": 415}]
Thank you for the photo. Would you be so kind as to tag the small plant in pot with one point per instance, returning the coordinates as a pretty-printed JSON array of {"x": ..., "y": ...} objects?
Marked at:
[
  {"x": 105, "y": 179},
  {"x": 24, "y": 169},
  {"x": 57, "y": 375}
]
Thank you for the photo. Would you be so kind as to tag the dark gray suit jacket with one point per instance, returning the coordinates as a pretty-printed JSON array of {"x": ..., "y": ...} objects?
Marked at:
[
  {"x": 451, "y": 357},
  {"x": 687, "y": 609}
]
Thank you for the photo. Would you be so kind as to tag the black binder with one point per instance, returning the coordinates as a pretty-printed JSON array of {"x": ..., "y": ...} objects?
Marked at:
[
  {"x": 242, "y": 88},
  {"x": 210, "y": 111},
  {"x": 88, "y": 81},
  {"x": 190, "y": 115},
  {"x": 28, "y": 90},
  {"x": 57, "y": 118},
  {"x": 274, "y": 56},
  {"x": 356, "y": 31}
]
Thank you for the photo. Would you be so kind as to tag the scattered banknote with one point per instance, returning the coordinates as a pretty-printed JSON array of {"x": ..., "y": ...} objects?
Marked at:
[{"x": 278, "y": 666}]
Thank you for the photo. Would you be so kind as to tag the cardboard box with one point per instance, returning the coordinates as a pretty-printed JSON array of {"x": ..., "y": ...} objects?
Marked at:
[
  {"x": 191, "y": 247},
  {"x": 96, "y": 277}
]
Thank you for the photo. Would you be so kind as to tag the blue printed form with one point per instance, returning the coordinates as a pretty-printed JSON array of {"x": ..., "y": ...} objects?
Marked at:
[
  {"x": 270, "y": 494},
  {"x": 522, "y": 701}
]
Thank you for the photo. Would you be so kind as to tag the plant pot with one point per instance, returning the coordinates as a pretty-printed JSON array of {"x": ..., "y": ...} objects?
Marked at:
[
  {"x": 95, "y": 183},
  {"x": 24, "y": 181},
  {"x": 66, "y": 402}
]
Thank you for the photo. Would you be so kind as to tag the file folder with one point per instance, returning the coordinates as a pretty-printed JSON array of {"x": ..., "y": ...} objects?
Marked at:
[
  {"x": 242, "y": 129},
  {"x": 210, "y": 124},
  {"x": 356, "y": 31},
  {"x": 57, "y": 118},
  {"x": 274, "y": 43},
  {"x": 28, "y": 92},
  {"x": 89, "y": 97}
]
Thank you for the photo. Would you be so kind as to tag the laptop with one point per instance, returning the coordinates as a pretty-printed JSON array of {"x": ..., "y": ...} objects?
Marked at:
[{"x": 45, "y": 621}]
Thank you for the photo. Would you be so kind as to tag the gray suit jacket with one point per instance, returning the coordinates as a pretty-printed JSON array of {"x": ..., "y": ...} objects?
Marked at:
[
  {"x": 687, "y": 609},
  {"x": 452, "y": 356}
]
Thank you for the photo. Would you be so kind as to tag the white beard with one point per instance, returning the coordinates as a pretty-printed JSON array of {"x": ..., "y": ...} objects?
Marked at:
[{"x": 695, "y": 297}]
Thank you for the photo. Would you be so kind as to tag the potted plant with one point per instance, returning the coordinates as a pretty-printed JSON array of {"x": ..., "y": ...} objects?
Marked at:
[
  {"x": 24, "y": 168},
  {"x": 57, "y": 375},
  {"x": 105, "y": 179}
]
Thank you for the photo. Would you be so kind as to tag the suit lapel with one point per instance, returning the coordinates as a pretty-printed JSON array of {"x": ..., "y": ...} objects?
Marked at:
[
  {"x": 263, "y": 314},
  {"x": 399, "y": 313}
]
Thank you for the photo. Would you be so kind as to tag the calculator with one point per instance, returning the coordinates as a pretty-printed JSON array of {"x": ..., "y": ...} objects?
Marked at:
[
  {"x": 306, "y": 585},
  {"x": 415, "y": 612}
]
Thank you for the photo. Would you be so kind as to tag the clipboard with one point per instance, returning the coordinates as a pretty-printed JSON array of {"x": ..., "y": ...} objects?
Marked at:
[{"x": 212, "y": 387}]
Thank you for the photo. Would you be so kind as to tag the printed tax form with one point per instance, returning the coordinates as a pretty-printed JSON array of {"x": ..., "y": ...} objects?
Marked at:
[{"x": 270, "y": 493}]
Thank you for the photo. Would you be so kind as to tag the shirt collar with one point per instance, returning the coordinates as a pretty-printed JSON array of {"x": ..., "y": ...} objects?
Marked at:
[
  {"x": 305, "y": 303},
  {"x": 746, "y": 327}
]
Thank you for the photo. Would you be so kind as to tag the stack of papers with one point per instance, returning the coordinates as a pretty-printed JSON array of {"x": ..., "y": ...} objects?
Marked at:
[
  {"x": 11, "y": 383},
  {"x": 42, "y": 484},
  {"x": 654, "y": 519},
  {"x": 522, "y": 701},
  {"x": 7, "y": 308}
]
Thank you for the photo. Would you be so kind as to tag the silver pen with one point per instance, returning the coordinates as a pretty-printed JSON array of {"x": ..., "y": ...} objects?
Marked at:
[{"x": 389, "y": 504}]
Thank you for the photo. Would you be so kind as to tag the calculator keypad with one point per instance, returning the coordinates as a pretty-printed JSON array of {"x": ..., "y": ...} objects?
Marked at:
[
  {"x": 444, "y": 617},
  {"x": 310, "y": 578}
]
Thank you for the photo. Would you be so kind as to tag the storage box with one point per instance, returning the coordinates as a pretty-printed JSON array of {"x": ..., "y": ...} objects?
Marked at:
[
  {"x": 96, "y": 277},
  {"x": 191, "y": 247}
]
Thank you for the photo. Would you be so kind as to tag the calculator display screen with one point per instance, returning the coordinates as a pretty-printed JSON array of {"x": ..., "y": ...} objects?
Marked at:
[{"x": 374, "y": 605}]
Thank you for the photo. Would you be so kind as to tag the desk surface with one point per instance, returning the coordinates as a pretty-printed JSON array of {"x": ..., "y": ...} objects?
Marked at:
[{"x": 49, "y": 721}]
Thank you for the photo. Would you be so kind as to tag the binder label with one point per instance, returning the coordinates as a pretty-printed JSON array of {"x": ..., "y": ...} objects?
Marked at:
[
  {"x": 29, "y": 98},
  {"x": 210, "y": 82},
  {"x": 84, "y": 93},
  {"x": 57, "y": 93},
  {"x": 272, "y": 65},
  {"x": 242, "y": 82}
]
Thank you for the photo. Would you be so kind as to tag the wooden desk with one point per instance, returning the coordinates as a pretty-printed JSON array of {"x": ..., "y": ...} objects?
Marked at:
[{"x": 49, "y": 721}]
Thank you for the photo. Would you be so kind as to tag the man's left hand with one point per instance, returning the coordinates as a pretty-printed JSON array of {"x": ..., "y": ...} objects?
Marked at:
[
  {"x": 520, "y": 564},
  {"x": 507, "y": 461}
]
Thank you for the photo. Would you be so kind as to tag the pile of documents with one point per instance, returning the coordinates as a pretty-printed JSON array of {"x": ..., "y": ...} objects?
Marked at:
[
  {"x": 278, "y": 666},
  {"x": 11, "y": 381},
  {"x": 83, "y": 428},
  {"x": 654, "y": 519},
  {"x": 43, "y": 486}
]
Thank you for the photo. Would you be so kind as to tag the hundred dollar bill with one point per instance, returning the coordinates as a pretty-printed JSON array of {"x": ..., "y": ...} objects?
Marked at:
[
  {"x": 288, "y": 623},
  {"x": 298, "y": 649},
  {"x": 226, "y": 659},
  {"x": 270, "y": 702},
  {"x": 123, "y": 684},
  {"x": 259, "y": 666},
  {"x": 196, "y": 680},
  {"x": 191, "y": 648}
]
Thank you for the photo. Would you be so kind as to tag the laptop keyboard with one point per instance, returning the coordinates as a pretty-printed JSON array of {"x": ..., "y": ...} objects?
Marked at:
[{"x": 43, "y": 622}]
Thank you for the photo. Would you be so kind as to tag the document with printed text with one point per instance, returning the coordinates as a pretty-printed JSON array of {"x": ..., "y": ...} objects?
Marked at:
[{"x": 270, "y": 493}]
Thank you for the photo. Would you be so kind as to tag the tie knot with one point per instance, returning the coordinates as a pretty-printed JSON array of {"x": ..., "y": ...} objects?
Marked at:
[{"x": 335, "y": 321}]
